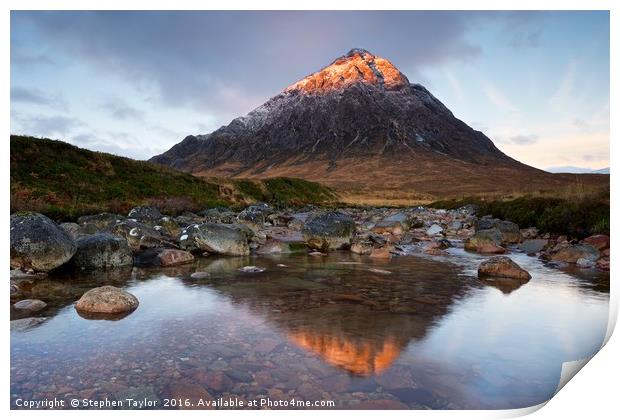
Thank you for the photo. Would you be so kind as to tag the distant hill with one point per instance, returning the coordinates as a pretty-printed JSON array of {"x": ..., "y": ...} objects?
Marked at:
[
  {"x": 64, "y": 181},
  {"x": 360, "y": 127},
  {"x": 577, "y": 170}
]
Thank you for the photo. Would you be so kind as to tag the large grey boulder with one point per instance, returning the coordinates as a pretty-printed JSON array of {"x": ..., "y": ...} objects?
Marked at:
[
  {"x": 39, "y": 244},
  {"x": 102, "y": 250},
  {"x": 226, "y": 239},
  {"x": 330, "y": 230}
]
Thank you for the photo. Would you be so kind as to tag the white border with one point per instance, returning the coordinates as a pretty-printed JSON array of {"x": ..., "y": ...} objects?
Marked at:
[{"x": 593, "y": 394}]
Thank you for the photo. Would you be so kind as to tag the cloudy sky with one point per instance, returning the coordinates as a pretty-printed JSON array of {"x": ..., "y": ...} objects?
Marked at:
[{"x": 136, "y": 83}]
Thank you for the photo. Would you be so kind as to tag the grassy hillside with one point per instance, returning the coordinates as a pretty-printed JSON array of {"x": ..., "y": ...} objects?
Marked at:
[
  {"x": 577, "y": 216},
  {"x": 64, "y": 182}
]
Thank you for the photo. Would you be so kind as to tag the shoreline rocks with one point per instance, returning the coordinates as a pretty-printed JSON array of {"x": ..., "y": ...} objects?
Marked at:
[
  {"x": 148, "y": 238},
  {"x": 38, "y": 243}
]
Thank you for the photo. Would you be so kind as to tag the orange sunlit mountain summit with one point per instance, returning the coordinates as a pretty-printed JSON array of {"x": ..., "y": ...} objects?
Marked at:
[{"x": 357, "y": 66}]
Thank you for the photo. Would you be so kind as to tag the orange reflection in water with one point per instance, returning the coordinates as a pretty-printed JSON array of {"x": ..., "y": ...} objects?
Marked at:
[{"x": 360, "y": 358}]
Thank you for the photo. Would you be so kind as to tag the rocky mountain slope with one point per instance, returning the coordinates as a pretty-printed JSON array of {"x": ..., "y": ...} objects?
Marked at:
[{"x": 360, "y": 126}]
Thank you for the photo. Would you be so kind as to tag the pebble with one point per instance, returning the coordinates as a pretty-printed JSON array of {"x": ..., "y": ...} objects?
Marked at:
[
  {"x": 251, "y": 269},
  {"x": 200, "y": 275}
]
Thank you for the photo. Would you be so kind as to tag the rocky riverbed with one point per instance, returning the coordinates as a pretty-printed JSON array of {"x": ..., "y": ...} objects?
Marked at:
[{"x": 347, "y": 305}]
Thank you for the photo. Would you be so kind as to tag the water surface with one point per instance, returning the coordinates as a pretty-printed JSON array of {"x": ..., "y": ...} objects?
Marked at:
[{"x": 413, "y": 332}]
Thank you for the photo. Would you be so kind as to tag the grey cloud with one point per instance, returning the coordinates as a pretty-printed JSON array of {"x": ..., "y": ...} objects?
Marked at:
[
  {"x": 116, "y": 143},
  {"x": 525, "y": 39},
  {"x": 25, "y": 59},
  {"x": 524, "y": 139},
  {"x": 595, "y": 156},
  {"x": 118, "y": 109},
  {"x": 36, "y": 96},
  {"x": 231, "y": 62},
  {"x": 45, "y": 126}
]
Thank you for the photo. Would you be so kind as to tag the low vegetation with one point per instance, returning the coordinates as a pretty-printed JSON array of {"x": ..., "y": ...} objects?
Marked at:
[
  {"x": 285, "y": 191},
  {"x": 578, "y": 216},
  {"x": 64, "y": 182}
]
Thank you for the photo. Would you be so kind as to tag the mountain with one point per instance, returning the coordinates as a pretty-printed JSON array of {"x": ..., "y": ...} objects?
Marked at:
[
  {"x": 64, "y": 181},
  {"x": 360, "y": 126}
]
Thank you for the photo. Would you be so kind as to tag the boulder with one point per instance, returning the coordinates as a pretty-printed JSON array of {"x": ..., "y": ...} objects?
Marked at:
[
  {"x": 187, "y": 219},
  {"x": 603, "y": 264},
  {"x": 216, "y": 238},
  {"x": 255, "y": 216},
  {"x": 106, "y": 300},
  {"x": 330, "y": 230},
  {"x": 485, "y": 242},
  {"x": 599, "y": 242},
  {"x": 382, "y": 253},
  {"x": 529, "y": 233},
  {"x": 585, "y": 263},
  {"x": 455, "y": 225},
  {"x": 30, "y": 305},
  {"x": 572, "y": 253},
  {"x": 145, "y": 214},
  {"x": 533, "y": 246},
  {"x": 168, "y": 227},
  {"x": 162, "y": 257},
  {"x": 361, "y": 247},
  {"x": 434, "y": 230},
  {"x": 98, "y": 222},
  {"x": 102, "y": 250},
  {"x": 396, "y": 224},
  {"x": 272, "y": 246},
  {"x": 26, "y": 323},
  {"x": 200, "y": 275},
  {"x": 38, "y": 243},
  {"x": 502, "y": 267},
  {"x": 440, "y": 244},
  {"x": 511, "y": 234},
  {"x": 138, "y": 235},
  {"x": 73, "y": 229},
  {"x": 485, "y": 223},
  {"x": 251, "y": 269}
]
